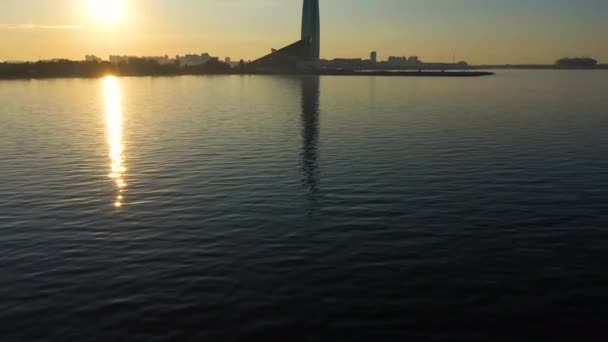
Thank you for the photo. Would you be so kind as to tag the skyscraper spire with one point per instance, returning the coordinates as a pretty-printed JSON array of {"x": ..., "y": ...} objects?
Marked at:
[{"x": 311, "y": 27}]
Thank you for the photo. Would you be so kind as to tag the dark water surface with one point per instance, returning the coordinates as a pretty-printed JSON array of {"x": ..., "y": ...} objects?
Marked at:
[{"x": 335, "y": 208}]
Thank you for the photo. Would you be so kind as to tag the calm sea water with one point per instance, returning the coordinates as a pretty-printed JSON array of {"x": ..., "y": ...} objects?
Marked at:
[{"x": 332, "y": 208}]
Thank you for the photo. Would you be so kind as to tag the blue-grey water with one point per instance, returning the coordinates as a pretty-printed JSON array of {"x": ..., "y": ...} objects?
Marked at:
[{"x": 335, "y": 208}]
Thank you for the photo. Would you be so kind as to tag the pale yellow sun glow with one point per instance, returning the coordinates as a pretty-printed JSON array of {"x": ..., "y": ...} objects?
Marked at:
[{"x": 106, "y": 11}]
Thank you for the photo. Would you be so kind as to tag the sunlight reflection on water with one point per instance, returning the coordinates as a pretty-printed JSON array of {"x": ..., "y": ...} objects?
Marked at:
[{"x": 114, "y": 133}]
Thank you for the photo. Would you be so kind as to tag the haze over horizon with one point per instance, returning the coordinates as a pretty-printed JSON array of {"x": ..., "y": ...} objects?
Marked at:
[{"x": 478, "y": 31}]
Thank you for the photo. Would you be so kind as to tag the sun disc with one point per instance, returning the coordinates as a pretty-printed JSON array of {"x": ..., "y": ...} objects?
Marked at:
[{"x": 106, "y": 11}]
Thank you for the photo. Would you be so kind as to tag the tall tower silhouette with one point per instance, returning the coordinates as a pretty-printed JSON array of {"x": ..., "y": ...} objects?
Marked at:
[{"x": 311, "y": 27}]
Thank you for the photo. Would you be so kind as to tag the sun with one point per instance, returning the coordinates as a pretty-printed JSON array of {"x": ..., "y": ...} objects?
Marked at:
[{"x": 106, "y": 11}]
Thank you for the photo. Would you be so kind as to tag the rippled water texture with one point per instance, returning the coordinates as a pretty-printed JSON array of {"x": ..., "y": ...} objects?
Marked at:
[{"x": 335, "y": 208}]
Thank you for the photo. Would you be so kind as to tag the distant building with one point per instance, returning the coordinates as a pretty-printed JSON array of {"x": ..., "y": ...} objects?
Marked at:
[
  {"x": 115, "y": 59},
  {"x": 159, "y": 59},
  {"x": 54, "y": 60},
  {"x": 191, "y": 60},
  {"x": 397, "y": 61},
  {"x": 92, "y": 58},
  {"x": 347, "y": 63},
  {"x": 403, "y": 61},
  {"x": 227, "y": 60},
  {"x": 373, "y": 57}
]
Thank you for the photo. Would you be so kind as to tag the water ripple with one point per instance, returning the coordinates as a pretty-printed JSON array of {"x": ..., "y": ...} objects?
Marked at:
[{"x": 342, "y": 208}]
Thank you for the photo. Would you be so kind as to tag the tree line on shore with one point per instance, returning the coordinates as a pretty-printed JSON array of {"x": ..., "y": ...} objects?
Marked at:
[{"x": 130, "y": 67}]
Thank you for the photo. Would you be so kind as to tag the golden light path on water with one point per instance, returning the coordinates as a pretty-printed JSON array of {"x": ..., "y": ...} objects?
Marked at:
[{"x": 111, "y": 86}]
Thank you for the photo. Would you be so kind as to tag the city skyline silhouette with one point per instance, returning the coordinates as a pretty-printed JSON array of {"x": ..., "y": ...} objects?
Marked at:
[{"x": 489, "y": 32}]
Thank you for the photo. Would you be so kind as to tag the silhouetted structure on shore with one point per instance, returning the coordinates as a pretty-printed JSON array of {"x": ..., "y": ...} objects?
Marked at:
[
  {"x": 393, "y": 63},
  {"x": 576, "y": 63},
  {"x": 286, "y": 59},
  {"x": 301, "y": 55}
]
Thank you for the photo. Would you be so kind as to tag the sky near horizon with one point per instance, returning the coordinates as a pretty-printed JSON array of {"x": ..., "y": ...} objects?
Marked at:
[{"x": 478, "y": 31}]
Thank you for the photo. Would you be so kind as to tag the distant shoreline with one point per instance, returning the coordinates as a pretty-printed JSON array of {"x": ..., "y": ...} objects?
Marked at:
[
  {"x": 379, "y": 73},
  {"x": 534, "y": 67},
  {"x": 323, "y": 73},
  {"x": 398, "y": 73},
  {"x": 139, "y": 67}
]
